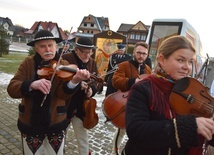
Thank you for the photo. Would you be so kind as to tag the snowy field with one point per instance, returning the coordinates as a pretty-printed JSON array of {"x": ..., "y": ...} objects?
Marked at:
[{"x": 5, "y": 78}]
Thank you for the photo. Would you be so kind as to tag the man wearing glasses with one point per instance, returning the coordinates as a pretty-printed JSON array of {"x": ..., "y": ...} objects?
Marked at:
[
  {"x": 81, "y": 56},
  {"x": 127, "y": 74}
]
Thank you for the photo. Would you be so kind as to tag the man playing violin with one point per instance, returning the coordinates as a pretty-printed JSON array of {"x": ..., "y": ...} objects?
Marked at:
[
  {"x": 127, "y": 74},
  {"x": 81, "y": 56},
  {"x": 43, "y": 126}
]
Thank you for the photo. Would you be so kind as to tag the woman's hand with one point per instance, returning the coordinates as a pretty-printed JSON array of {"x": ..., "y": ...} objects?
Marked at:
[{"x": 205, "y": 127}]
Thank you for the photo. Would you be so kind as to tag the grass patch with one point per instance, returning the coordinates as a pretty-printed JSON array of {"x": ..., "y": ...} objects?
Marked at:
[{"x": 10, "y": 63}]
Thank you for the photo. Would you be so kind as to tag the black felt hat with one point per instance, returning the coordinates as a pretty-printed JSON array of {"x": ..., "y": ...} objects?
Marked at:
[
  {"x": 84, "y": 42},
  {"x": 43, "y": 35}
]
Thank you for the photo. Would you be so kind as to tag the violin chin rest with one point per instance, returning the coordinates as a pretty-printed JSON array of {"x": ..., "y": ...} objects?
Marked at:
[{"x": 182, "y": 84}]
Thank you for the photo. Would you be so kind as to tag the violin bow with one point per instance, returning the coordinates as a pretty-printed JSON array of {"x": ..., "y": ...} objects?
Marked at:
[
  {"x": 58, "y": 63},
  {"x": 204, "y": 66},
  {"x": 110, "y": 71}
]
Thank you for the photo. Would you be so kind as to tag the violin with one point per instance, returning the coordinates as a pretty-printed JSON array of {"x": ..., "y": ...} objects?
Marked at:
[
  {"x": 47, "y": 71},
  {"x": 64, "y": 72},
  {"x": 90, "y": 120},
  {"x": 114, "y": 105},
  {"x": 189, "y": 96}
]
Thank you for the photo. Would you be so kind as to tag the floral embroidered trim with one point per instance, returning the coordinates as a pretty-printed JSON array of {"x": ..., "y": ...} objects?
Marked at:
[
  {"x": 55, "y": 140},
  {"x": 34, "y": 142},
  {"x": 176, "y": 133}
]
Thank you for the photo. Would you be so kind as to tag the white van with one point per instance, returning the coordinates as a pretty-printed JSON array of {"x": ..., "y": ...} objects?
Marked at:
[{"x": 164, "y": 28}]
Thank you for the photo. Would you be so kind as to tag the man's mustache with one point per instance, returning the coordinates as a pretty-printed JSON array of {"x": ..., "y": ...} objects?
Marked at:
[{"x": 47, "y": 53}]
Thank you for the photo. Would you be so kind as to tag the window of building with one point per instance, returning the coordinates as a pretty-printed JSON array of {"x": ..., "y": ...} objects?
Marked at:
[
  {"x": 132, "y": 36},
  {"x": 137, "y": 37},
  {"x": 143, "y": 37}
]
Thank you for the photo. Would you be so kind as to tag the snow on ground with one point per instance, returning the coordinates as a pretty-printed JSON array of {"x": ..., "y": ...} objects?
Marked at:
[{"x": 5, "y": 78}]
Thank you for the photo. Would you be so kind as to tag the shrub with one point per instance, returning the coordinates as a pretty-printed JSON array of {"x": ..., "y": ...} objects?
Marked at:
[{"x": 4, "y": 44}]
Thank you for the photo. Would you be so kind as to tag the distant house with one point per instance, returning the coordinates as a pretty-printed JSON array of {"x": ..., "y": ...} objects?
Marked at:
[
  {"x": 20, "y": 31},
  {"x": 50, "y": 26},
  {"x": 93, "y": 25},
  {"x": 134, "y": 32},
  {"x": 7, "y": 25}
]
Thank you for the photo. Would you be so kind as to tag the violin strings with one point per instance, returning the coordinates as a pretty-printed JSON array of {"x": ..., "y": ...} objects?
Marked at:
[{"x": 205, "y": 105}]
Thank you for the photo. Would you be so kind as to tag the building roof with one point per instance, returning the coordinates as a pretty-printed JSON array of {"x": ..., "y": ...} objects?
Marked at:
[
  {"x": 99, "y": 21},
  {"x": 125, "y": 27},
  {"x": 7, "y": 20},
  {"x": 46, "y": 26}
]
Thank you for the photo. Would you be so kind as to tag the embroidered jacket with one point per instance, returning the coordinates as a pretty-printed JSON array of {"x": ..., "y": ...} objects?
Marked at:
[{"x": 33, "y": 118}]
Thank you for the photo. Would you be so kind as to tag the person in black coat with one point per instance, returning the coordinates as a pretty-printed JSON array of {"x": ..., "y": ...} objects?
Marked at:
[
  {"x": 116, "y": 58},
  {"x": 65, "y": 48},
  {"x": 153, "y": 125},
  {"x": 148, "y": 62}
]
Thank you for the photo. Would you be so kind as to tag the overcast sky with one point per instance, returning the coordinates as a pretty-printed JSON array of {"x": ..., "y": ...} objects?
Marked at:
[{"x": 68, "y": 13}]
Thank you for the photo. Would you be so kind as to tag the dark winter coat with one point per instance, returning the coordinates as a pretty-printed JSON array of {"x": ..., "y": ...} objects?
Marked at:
[
  {"x": 76, "y": 102},
  {"x": 114, "y": 60},
  {"x": 152, "y": 126},
  {"x": 34, "y": 119}
]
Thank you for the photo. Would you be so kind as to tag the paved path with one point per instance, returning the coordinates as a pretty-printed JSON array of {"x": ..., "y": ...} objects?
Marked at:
[{"x": 100, "y": 137}]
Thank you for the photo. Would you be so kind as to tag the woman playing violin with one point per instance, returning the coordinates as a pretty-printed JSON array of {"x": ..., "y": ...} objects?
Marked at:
[
  {"x": 42, "y": 127},
  {"x": 81, "y": 56},
  {"x": 152, "y": 126}
]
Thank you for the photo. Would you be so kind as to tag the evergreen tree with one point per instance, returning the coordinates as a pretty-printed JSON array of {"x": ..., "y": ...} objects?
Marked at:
[{"x": 4, "y": 44}]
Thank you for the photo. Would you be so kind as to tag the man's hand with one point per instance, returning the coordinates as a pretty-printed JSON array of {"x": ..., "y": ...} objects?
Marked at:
[
  {"x": 81, "y": 75},
  {"x": 88, "y": 90},
  {"x": 42, "y": 84},
  {"x": 137, "y": 79}
]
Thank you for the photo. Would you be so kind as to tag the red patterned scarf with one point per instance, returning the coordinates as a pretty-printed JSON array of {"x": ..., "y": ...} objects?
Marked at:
[{"x": 161, "y": 87}]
